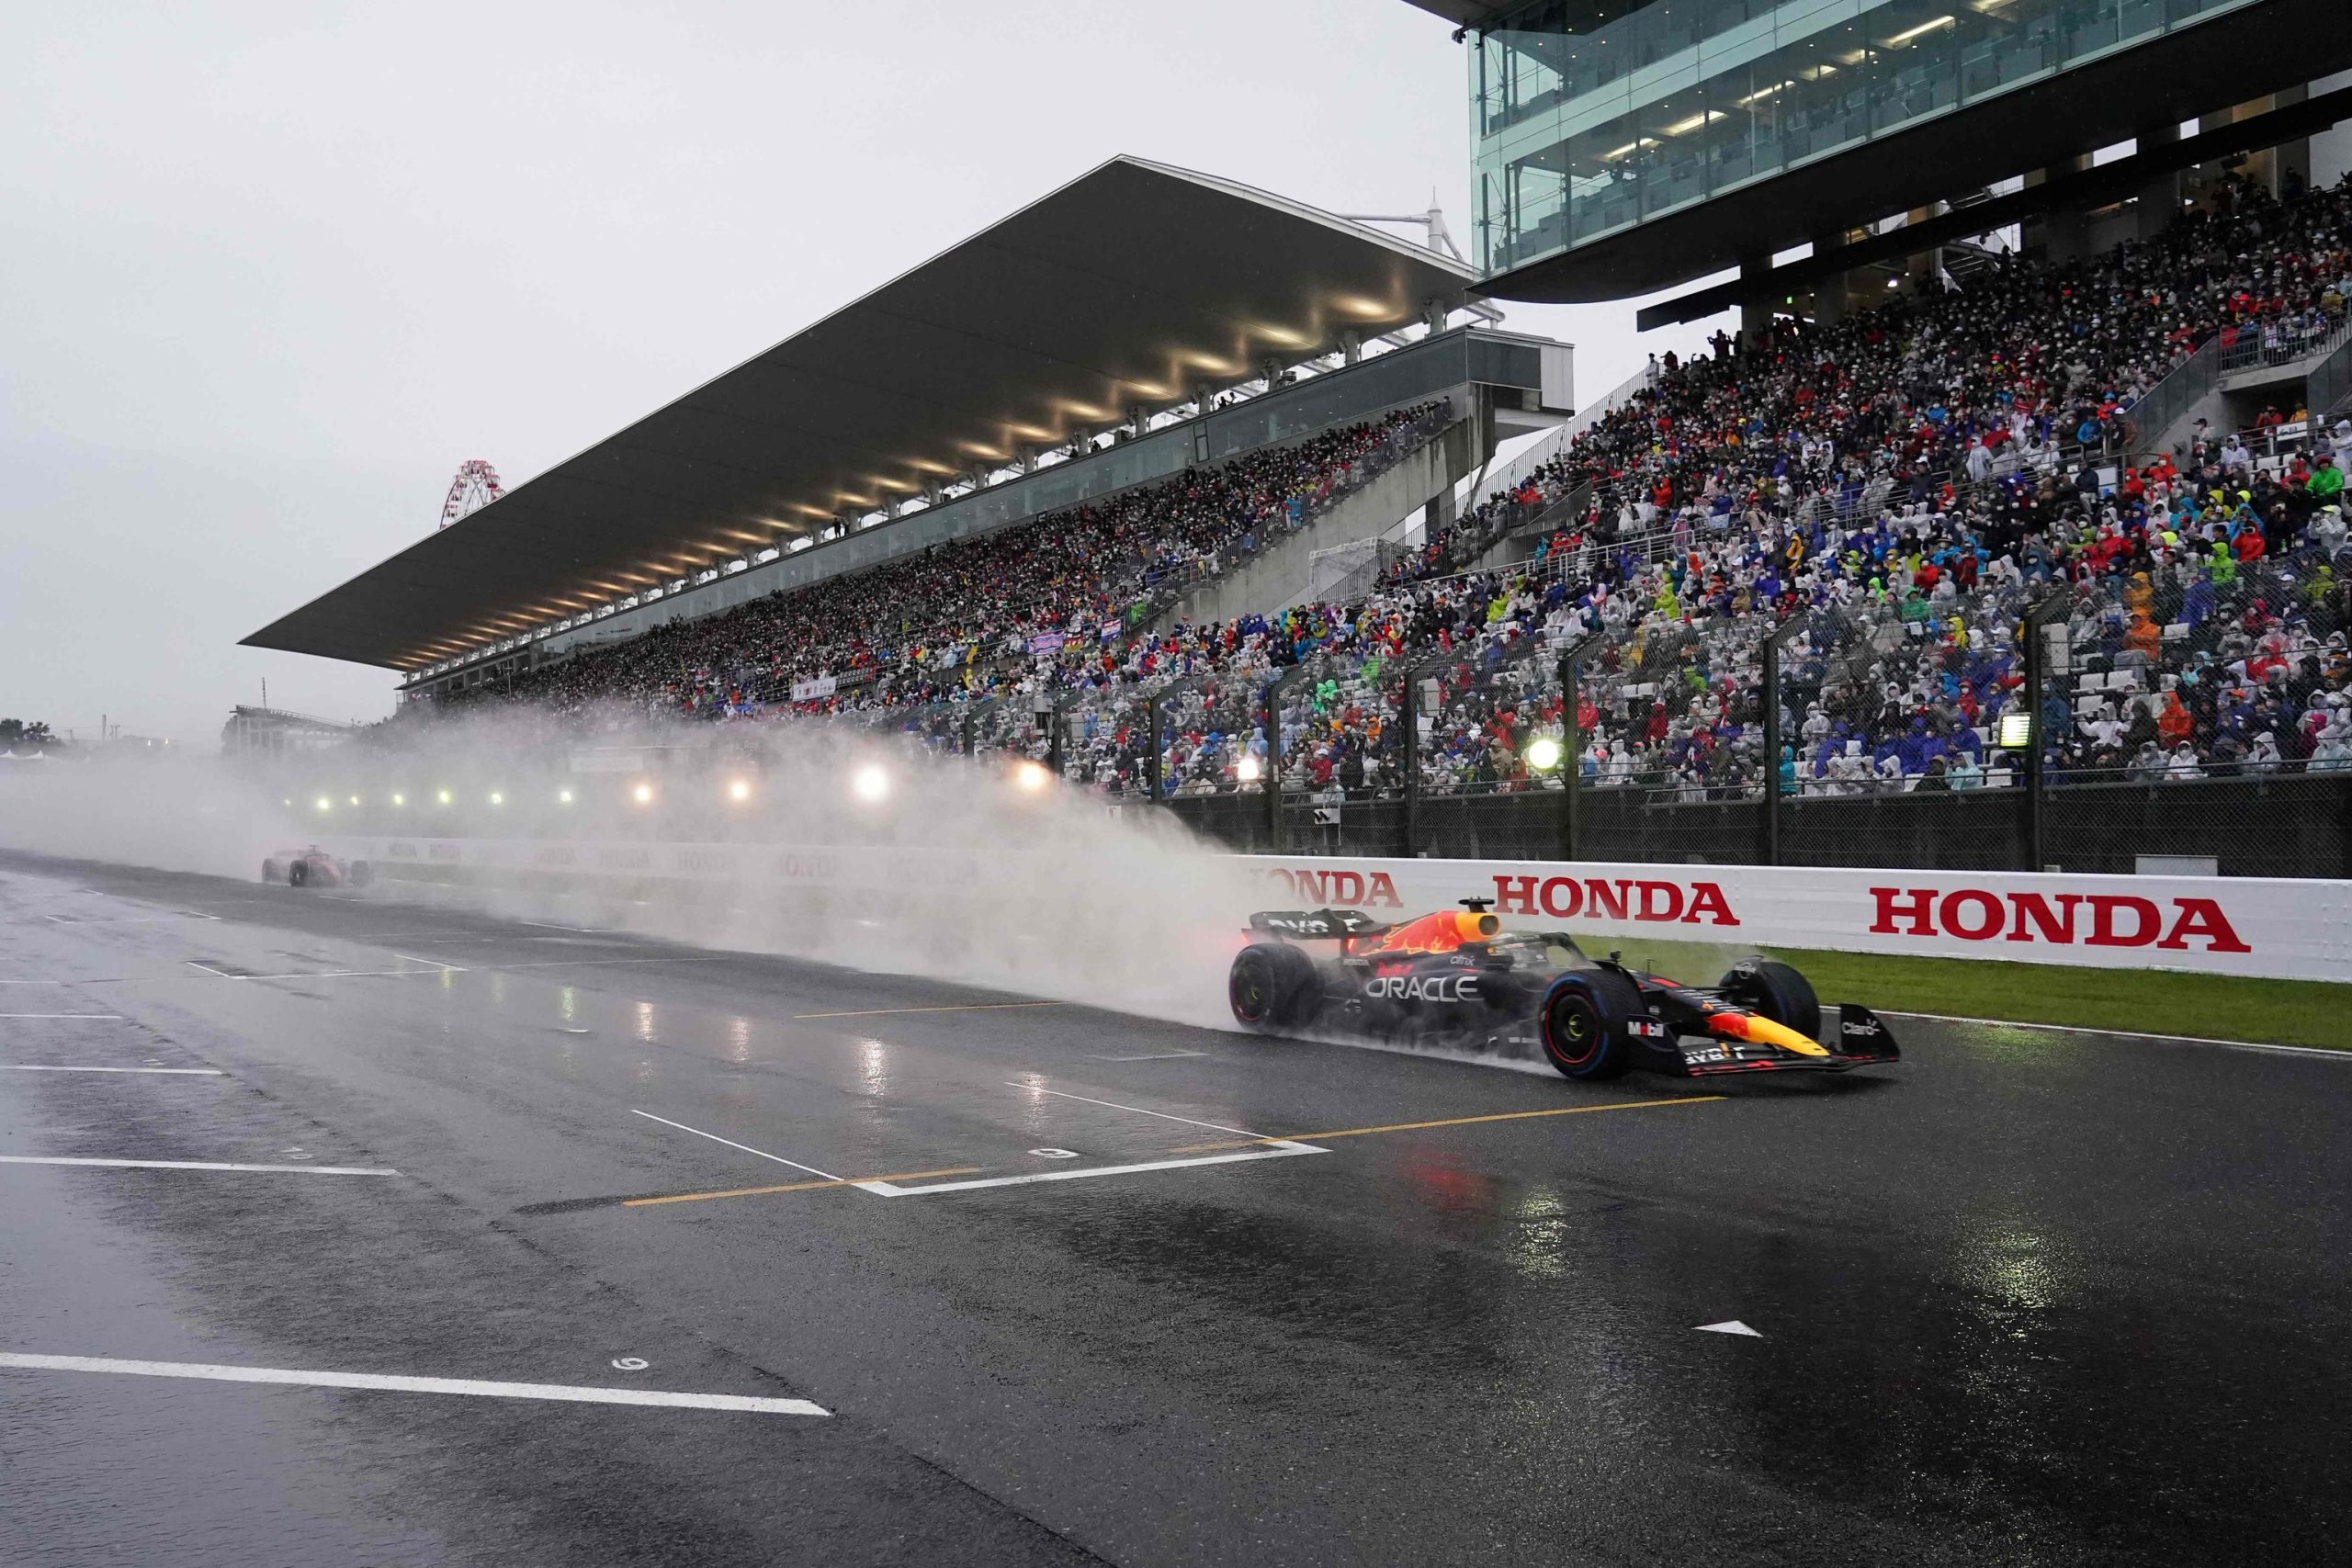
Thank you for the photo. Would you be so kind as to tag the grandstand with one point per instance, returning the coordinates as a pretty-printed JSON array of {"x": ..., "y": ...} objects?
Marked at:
[{"x": 2046, "y": 566}]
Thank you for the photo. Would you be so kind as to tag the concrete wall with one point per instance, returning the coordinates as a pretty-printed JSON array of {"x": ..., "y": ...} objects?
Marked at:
[{"x": 1278, "y": 576}]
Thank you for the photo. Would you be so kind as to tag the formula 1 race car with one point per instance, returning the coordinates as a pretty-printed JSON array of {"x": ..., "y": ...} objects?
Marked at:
[
  {"x": 315, "y": 867},
  {"x": 1457, "y": 980}
]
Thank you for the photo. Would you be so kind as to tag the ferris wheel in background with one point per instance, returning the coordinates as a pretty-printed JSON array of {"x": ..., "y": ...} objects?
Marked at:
[{"x": 475, "y": 487}]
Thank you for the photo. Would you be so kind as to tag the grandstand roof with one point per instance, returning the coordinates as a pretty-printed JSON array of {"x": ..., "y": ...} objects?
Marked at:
[
  {"x": 1128, "y": 286},
  {"x": 1468, "y": 12}
]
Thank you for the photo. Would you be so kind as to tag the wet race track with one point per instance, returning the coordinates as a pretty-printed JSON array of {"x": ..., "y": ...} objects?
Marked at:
[{"x": 977, "y": 1279}]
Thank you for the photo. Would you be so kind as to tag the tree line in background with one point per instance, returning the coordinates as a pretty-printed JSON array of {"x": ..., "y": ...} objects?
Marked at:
[{"x": 17, "y": 732}]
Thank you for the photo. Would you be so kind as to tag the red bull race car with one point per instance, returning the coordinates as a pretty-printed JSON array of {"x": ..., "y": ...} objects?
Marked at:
[
  {"x": 315, "y": 867},
  {"x": 1457, "y": 980}
]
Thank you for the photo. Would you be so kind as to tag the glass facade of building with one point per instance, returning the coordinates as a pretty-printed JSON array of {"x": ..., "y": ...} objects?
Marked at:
[{"x": 1590, "y": 116}]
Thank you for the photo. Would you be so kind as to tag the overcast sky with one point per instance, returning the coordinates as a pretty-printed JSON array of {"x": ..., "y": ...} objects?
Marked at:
[{"x": 273, "y": 271}]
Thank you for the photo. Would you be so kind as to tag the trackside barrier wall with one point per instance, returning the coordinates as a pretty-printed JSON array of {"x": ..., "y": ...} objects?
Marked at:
[
  {"x": 2298, "y": 929},
  {"x": 2282, "y": 929}
]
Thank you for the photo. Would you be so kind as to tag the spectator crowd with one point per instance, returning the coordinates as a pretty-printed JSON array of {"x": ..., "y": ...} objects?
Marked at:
[{"x": 1901, "y": 485}]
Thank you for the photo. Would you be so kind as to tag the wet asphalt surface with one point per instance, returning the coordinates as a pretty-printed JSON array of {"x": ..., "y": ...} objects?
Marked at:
[{"x": 2034, "y": 1297}]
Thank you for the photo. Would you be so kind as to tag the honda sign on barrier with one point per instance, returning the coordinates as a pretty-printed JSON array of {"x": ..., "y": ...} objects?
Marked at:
[{"x": 2287, "y": 929}]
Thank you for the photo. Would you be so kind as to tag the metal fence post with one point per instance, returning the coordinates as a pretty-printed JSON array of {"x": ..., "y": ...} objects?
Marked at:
[
  {"x": 1158, "y": 737},
  {"x": 1273, "y": 784},
  {"x": 1410, "y": 750},
  {"x": 1772, "y": 645},
  {"x": 2036, "y": 674},
  {"x": 1572, "y": 749}
]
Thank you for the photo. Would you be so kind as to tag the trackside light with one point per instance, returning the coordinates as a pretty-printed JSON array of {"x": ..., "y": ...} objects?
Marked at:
[
  {"x": 2015, "y": 732},
  {"x": 563, "y": 797},
  {"x": 497, "y": 797},
  {"x": 871, "y": 781},
  {"x": 443, "y": 797},
  {"x": 1248, "y": 768},
  {"x": 1031, "y": 776},
  {"x": 1543, "y": 754},
  {"x": 739, "y": 789},
  {"x": 325, "y": 805},
  {"x": 355, "y": 800},
  {"x": 642, "y": 795},
  {"x": 289, "y": 801},
  {"x": 399, "y": 799}
]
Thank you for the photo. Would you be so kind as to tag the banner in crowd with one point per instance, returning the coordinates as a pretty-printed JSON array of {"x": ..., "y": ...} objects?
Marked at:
[
  {"x": 814, "y": 687},
  {"x": 2288, "y": 930},
  {"x": 1047, "y": 642}
]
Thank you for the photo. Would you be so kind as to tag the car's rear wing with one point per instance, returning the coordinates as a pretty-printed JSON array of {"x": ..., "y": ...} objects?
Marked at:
[{"x": 1315, "y": 925}]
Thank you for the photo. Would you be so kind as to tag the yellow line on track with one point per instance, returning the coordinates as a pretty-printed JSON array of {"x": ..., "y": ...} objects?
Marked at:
[
  {"x": 961, "y": 1007},
  {"x": 1457, "y": 1122},
  {"x": 792, "y": 1187}
]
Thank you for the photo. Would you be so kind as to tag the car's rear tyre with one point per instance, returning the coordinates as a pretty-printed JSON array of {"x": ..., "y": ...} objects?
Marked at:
[
  {"x": 272, "y": 871},
  {"x": 1586, "y": 1023},
  {"x": 1777, "y": 991},
  {"x": 1273, "y": 988},
  {"x": 362, "y": 873},
  {"x": 298, "y": 873}
]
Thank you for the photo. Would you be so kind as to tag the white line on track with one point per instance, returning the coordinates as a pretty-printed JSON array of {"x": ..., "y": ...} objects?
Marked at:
[
  {"x": 2128, "y": 1034},
  {"x": 1154, "y": 1056},
  {"x": 410, "y": 958},
  {"x": 201, "y": 1165},
  {"x": 1139, "y": 1110},
  {"x": 747, "y": 1148},
  {"x": 1280, "y": 1151},
  {"x": 116, "y": 1016},
  {"x": 570, "y": 1392},
  {"x": 162, "y": 1072},
  {"x": 438, "y": 969},
  {"x": 126, "y": 920}
]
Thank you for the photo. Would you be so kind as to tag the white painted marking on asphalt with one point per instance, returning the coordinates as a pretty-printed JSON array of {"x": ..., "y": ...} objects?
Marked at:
[
  {"x": 1729, "y": 1326},
  {"x": 452, "y": 968},
  {"x": 160, "y": 1072},
  {"x": 732, "y": 1144},
  {"x": 1154, "y": 1056},
  {"x": 1055, "y": 1154},
  {"x": 569, "y": 1392},
  {"x": 1115, "y": 1105},
  {"x": 127, "y": 919},
  {"x": 1280, "y": 1151},
  {"x": 631, "y": 1363},
  {"x": 2126, "y": 1034},
  {"x": 209, "y": 969},
  {"x": 201, "y": 1165},
  {"x": 116, "y": 1016}
]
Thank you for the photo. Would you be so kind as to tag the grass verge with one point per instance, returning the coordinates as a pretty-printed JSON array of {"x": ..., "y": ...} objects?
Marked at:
[{"x": 2219, "y": 1006}]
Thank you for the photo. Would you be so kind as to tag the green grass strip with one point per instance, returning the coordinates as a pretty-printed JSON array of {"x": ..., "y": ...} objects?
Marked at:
[{"x": 2219, "y": 1007}]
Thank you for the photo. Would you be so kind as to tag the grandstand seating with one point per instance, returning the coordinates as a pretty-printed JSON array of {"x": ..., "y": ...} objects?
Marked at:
[{"x": 1905, "y": 480}]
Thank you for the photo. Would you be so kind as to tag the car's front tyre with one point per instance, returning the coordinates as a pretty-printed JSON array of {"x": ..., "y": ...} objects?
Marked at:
[
  {"x": 1586, "y": 1023},
  {"x": 1776, "y": 991},
  {"x": 298, "y": 873}
]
